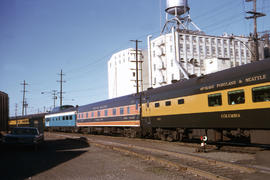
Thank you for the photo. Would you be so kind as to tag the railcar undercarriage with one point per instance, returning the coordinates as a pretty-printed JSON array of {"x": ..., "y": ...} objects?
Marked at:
[{"x": 177, "y": 134}]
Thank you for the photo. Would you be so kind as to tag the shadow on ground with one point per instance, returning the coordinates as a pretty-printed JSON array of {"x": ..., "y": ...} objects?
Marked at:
[{"x": 18, "y": 162}]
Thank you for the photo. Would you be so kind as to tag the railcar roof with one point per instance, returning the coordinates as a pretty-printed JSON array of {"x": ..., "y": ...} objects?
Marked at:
[
  {"x": 63, "y": 109},
  {"x": 119, "y": 101},
  {"x": 30, "y": 116},
  {"x": 193, "y": 85}
]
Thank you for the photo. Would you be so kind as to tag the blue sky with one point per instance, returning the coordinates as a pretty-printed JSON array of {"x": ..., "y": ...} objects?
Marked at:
[{"x": 38, "y": 38}]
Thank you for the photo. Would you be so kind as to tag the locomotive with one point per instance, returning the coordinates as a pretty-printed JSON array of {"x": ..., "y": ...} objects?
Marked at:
[{"x": 229, "y": 105}]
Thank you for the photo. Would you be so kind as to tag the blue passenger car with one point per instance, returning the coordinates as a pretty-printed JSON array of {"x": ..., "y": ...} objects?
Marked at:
[{"x": 64, "y": 116}]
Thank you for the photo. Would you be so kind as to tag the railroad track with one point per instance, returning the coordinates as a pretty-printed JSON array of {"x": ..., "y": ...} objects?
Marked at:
[{"x": 196, "y": 165}]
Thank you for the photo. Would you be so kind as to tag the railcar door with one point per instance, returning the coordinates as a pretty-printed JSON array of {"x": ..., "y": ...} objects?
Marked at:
[{"x": 147, "y": 106}]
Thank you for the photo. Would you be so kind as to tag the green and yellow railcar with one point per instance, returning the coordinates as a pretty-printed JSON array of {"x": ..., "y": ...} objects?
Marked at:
[{"x": 225, "y": 105}]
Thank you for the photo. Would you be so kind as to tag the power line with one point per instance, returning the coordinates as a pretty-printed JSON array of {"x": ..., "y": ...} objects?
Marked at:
[{"x": 216, "y": 11}]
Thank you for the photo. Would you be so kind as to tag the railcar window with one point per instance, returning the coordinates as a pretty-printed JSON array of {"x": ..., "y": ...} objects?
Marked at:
[
  {"x": 181, "y": 101},
  {"x": 70, "y": 117},
  {"x": 168, "y": 103},
  {"x": 114, "y": 111},
  {"x": 236, "y": 97},
  {"x": 214, "y": 99},
  {"x": 261, "y": 94},
  {"x": 156, "y": 105},
  {"x": 128, "y": 110},
  {"x": 121, "y": 110}
]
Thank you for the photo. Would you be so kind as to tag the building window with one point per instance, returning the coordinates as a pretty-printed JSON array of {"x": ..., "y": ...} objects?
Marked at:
[
  {"x": 261, "y": 94},
  {"x": 156, "y": 105},
  {"x": 128, "y": 110},
  {"x": 213, "y": 42},
  {"x": 106, "y": 112},
  {"x": 98, "y": 113},
  {"x": 121, "y": 110},
  {"x": 181, "y": 101},
  {"x": 168, "y": 103},
  {"x": 214, "y": 99},
  {"x": 114, "y": 111},
  {"x": 133, "y": 74},
  {"x": 93, "y": 114},
  {"x": 181, "y": 46},
  {"x": 86, "y": 115},
  {"x": 207, "y": 50},
  {"x": 236, "y": 97}
]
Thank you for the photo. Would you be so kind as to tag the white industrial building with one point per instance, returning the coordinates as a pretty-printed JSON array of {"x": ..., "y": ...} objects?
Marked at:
[
  {"x": 122, "y": 73},
  {"x": 180, "y": 52},
  {"x": 173, "y": 54}
]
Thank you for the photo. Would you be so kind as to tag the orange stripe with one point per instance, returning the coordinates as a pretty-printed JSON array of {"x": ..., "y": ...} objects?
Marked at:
[{"x": 114, "y": 123}]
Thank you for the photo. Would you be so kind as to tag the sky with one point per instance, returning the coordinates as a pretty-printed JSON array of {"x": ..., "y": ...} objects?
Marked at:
[{"x": 38, "y": 38}]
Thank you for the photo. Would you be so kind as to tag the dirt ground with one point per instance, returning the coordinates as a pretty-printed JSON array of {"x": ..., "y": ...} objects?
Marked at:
[{"x": 63, "y": 158}]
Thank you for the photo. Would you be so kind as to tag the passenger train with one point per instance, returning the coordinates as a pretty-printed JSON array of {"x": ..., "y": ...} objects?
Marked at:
[{"x": 230, "y": 105}]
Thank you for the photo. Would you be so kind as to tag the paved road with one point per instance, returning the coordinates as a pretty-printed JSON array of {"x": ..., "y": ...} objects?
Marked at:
[{"x": 62, "y": 158}]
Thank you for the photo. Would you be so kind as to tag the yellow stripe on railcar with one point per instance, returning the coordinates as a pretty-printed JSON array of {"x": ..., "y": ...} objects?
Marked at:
[{"x": 198, "y": 103}]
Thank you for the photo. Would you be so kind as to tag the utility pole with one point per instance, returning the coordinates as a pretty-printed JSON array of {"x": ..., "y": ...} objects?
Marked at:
[
  {"x": 137, "y": 66},
  {"x": 16, "y": 109},
  {"x": 24, "y": 103},
  {"x": 254, "y": 16},
  {"x": 61, "y": 87},
  {"x": 137, "y": 77},
  {"x": 54, "y": 93}
]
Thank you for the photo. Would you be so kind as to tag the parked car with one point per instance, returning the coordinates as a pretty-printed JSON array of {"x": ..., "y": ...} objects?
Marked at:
[{"x": 24, "y": 136}]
